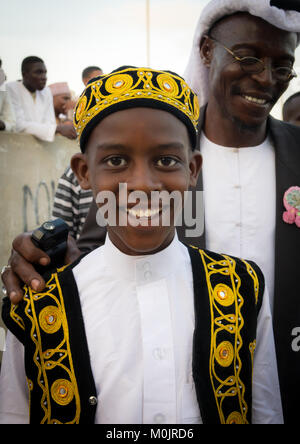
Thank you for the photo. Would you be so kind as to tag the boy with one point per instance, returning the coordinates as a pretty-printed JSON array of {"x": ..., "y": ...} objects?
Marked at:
[{"x": 143, "y": 329}]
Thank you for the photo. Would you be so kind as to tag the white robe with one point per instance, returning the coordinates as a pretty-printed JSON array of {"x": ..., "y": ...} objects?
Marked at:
[
  {"x": 138, "y": 313},
  {"x": 7, "y": 114},
  {"x": 33, "y": 115}
]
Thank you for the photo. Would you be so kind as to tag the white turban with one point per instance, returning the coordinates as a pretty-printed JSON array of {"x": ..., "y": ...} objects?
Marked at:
[
  {"x": 196, "y": 74},
  {"x": 59, "y": 88}
]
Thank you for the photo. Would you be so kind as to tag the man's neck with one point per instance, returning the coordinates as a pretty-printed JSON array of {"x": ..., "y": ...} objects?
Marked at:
[
  {"x": 30, "y": 89},
  {"x": 226, "y": 132}
]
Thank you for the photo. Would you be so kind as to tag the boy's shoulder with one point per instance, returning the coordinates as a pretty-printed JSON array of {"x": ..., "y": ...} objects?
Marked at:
[
  {"x": 217, "y": 261},
  {"x": 216, "y": 270},
  {"x": 47, "y": 308}
]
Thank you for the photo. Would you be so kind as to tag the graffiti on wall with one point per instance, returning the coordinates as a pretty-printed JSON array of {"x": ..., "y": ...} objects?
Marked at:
[{"x": 38, "y": 201}]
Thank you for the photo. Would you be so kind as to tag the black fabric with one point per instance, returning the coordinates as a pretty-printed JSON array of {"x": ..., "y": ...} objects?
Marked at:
[
  {"x": 288, "y": 5},
  {"x": 79, "y": 347},
  {"x": 286, "y": 314},
  {"x": 202, "y": 340}
]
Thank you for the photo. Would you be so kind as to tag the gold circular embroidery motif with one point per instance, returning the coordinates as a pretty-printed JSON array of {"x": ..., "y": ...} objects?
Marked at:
[
  {"x": 224, "y": 295},
  {"x": 118, "y": 83},
  {"x": 50, "y": 319},
  {"x": 168, "y": 85},
  {"x": 224, "y": 354},
  {"x": 235, "y": 418},
  {"x": 62, "y": 391}
]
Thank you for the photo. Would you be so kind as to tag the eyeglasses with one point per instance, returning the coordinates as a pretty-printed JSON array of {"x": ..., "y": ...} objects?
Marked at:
[{"x": 252, "y": 65}]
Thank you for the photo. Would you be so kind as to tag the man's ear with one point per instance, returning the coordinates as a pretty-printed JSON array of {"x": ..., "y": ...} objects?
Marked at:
[
  {"x": 206, "y": 50},
  {"x": 80, "y": 167},
  {"x": 195, "y": 167}
]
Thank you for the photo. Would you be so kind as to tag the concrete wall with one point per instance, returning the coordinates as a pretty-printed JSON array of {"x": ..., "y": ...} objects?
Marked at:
[{"x": 29, "y": 171}]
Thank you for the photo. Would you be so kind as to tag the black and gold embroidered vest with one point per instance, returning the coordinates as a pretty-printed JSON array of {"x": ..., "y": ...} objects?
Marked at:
[{"x": 228, "y": 296}]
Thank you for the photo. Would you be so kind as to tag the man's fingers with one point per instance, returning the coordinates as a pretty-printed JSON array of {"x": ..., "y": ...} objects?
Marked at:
[
  {"x": 23, "y": 245},
  {"x": 13, "y": 286},
  {"x": 24, "y": 271}
]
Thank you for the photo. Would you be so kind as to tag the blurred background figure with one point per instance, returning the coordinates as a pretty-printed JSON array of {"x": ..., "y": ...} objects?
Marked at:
[
  {"x": 61, "y": 96},
  {"x": 291, "y": 109},
  {"x": 7, "y": 117},
  {"x": 90, "y": 72},
  {"x": 32, "y": 100},
  {"x": 62, "y": 99}
]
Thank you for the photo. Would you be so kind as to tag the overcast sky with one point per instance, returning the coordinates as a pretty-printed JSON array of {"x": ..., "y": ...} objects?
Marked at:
[{"x": 72, "y": 34}]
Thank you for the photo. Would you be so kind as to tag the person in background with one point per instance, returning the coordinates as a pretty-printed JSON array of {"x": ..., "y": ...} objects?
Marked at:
[
  {"x": 61, "y": 97},
  {"x": 71, "y": 202},
  {"x": 291, "y": 109},
  {"x": 7, "y": 116},
  {"x": 90, "y": 72},
  {"x": 33, "y": 103},
  {"x": 240, "y": 64}
]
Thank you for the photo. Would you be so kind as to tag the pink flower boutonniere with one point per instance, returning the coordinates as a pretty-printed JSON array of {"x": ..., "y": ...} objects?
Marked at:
[{"x": 291, "y": 201}]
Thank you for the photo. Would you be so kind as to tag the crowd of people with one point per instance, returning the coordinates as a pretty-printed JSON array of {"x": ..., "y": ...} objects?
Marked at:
[
  {"x": 151, "y": 325},
  {"x": 33, "y": 107}
]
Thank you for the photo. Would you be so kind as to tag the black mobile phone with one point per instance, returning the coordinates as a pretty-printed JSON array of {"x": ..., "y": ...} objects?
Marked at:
[{"x": 51, "y": 237}]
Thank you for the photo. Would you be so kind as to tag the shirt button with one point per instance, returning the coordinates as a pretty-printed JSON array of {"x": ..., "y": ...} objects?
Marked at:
[
  {"x": 238, "y": 224},
  {"x": 147, "y": 275},
  {"x": 159, "y": 354},
  {"x": 159, "y": 418},
  {"x": 93, "y": 400},
  {"x": 235, "y": 150},
  {"x": 238, "y": 187}
]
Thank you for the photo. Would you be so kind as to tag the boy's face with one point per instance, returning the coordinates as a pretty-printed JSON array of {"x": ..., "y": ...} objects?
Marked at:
[{"x": 148, "y": 150}]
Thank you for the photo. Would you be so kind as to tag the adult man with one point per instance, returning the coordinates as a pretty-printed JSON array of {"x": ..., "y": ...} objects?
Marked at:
[
  {"x": 250, "y": 160},
  {"x": 90, "y": 72},
  {"x": 33, "y": 103},
  {"x": 61, "y": 97},
  {"x": 291, "y": 109},
  {"x": 7, "y": 117}
]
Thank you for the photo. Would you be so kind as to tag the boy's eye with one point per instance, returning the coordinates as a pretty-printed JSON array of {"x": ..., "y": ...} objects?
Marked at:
[
  {"x": 116, "y": 161},
  {"x": 166, "y": 161}
]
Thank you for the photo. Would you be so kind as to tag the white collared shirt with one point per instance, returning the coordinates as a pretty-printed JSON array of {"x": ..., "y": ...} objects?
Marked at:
[
  {"x": 139, "y": 319},
  {"x": 240, "y": 203}
]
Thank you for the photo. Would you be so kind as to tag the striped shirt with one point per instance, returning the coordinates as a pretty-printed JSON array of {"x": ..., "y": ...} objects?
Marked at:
[{"x": 71, "y": 202}]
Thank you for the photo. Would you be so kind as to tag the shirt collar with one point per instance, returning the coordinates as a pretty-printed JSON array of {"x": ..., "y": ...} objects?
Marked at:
[{"x": 143, "y": 269}]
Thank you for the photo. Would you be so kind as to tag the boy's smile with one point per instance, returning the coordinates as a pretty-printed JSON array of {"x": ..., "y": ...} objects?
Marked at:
[{"x": 149, "y": 151}]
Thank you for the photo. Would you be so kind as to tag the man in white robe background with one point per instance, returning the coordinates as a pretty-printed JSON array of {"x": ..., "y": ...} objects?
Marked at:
[{"x": 33, "y": 102}]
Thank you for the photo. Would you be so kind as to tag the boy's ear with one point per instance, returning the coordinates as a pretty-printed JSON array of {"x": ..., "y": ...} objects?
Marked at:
[
  {"x": 195, "y": 167},
  {"x": 80, "y": 168}
]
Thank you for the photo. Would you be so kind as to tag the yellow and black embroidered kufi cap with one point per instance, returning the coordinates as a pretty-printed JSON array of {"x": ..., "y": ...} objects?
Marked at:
[{"x": 131, "y": 87}]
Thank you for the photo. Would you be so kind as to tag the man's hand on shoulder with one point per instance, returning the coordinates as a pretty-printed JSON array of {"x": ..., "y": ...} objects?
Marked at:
[{"x": 24, "y": 256}]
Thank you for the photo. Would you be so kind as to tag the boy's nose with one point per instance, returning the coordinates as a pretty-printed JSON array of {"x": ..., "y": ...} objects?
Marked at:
[{"x": 144, "y": 179}]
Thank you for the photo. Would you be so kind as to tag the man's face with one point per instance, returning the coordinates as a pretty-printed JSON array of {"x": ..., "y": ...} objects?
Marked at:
[
  {"x": 60, "y": 102},
  {"x": 148, "y": 150},
  {"x": 247, "y": 99},
  {"x": 292, "y": 111},
  {"x": 35, "y": 76}
]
